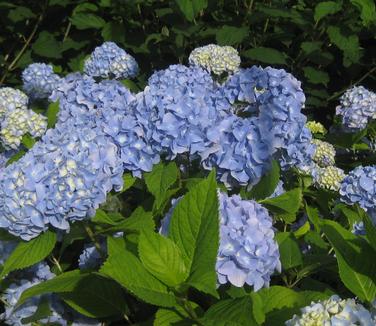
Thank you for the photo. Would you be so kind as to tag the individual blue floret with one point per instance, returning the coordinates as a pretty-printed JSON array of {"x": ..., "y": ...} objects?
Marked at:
[
  {"x": 39, "y": 80},
  {"x": 110, "y": 61}
]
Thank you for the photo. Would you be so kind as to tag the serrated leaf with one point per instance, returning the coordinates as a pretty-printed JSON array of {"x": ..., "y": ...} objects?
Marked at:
[
  {"x": 281, "y": 303},
  {"x": 285, "y": 205},
  {"x": 128, "y": 180},
  {"x": 356, "y": 263},
  {"x": 290, "y": 253},
  {"x": 47, "y": 46},
  {"x": 231, "y": 312},
  {"x": 326, "y": 8},
  {"x": 315, "y": 76},
  {"x": 20, "y": 13},
  {"x": 28, "y": 141},
  {"x": 175, "y": 316},
  {"x": 231, "y": 35},
  {"x": 96, "y": 297},
  {"x": 266, "y": 55},
  {"x": 29, "y": 253},
  {"x": 162, "y": 258},
  {"x": 87, "y": 20},
  {"x": 126, "y": 269},
  {"x": 195, "y": 229},
  {"x": 160, "y": 180},
  {"x": 367, "y": 10},
  {"x": 191, "y": 8},
  {"x": 267, "y": 184}
]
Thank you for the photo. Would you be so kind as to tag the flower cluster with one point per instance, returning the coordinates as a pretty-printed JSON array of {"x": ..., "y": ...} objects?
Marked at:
[
  {"x": 16, "y": 120},
  {"x": 316, "y": 127},
  {"x": 357, "y": 107},
  {"x": 333, "y": 311},
  {"x": 359, "y": 187},
  {"x": 324, "y": 154},
  {"x": 216, "y": 59},
  {"x": 108, "y": 60},
  {"x": 90, "y": 257},
  {"x": 358, "y": 228},
  {"x": 329, "y": 177},
  {"x": 39, "y": 80},
  {"x": 247, "y": 252}
]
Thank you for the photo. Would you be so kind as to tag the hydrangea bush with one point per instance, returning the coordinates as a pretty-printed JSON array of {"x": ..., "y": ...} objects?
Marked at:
[{"x": 205, "y": 197}]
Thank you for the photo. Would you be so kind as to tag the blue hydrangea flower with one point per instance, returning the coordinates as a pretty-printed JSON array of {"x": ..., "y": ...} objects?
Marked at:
[
  {"x": 358, "y": 228},
  {"x": 279, "y": 190},
  {"x": 39, "y": 80},
  {"x": 6, "y": 248},
  {"x": 216, "y": 59},
  {"x": 108, "y": 60},
  {"x": 248, "y": 252},
  {"x": 333, "y": 311},
  {"x": 90, "y": 258},
  {"x": 357, "y": 107},
  {"x": 359, "y": 187}
]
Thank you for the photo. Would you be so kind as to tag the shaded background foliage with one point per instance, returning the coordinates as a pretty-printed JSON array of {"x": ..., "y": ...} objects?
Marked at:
[{"x": 328, "y": 45}]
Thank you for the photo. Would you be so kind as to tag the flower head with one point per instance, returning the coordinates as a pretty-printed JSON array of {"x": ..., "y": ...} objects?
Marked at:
[
  {"x": 11, "y": 99},
  {"x": 324, "y": 154},
  {"x": 39, "y": 80},
  {"x": 328, "y": 178},
  {"x": 316, "y": 127},
  {"x": 357, "y": 107},
  {"x": 108, "y": 60}
]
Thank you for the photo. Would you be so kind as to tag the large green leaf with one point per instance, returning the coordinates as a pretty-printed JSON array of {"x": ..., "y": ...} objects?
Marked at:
[
  {"x": 160, "y": 180},
  {"x": 52, "y": 112},
  {"x": 231, "y": 312},
  {"x": 29, "y": 253},
  {"x": 281, "y": 303},
  {"x": 47, "y": 46},
  {"x": 266, "y": 55},
  {"x": 87, "y": 20},
  {"x": 175, "y": 316},
  {"x": 315, "y": 76},
  {"x": 289, "y": 250},
  {"x": 367, "y": 10},
  {"x": 356, "y": 260},
  {"x": 195, "y": 229},
  {"x": 162, "y": 257},
  {"x": 231, "y": 35},
  {"x": 267, "y": 184},
  {"x": 326, "y": 8},
  {"x": 191, "y": 8},
  {"x": 125, "y": 268}
]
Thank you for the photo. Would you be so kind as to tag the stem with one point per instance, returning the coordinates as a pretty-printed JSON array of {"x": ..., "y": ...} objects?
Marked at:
[
  {"x": 67, "y": 31},
  {"x": 56, "y": 262},
  {"x": 90, "y": 233},
  {"x": 335, "y": 95}
]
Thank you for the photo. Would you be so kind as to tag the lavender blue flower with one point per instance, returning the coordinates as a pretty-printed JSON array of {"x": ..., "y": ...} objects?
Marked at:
[
  {"x": 248, "y": 252},
  {"x": 359, "y": 187},
  {"x": 357, "y": 107},
  {"x": 90, "y": 257},
  {"x": 358, "y": 228},
  {"x": 6, "y": 248},
  {"x": 108, "y": 60},
  {"x": 216, "y": 59},
  {"x": 333, "y": 311},
  {"x": 39, "y": 80}
]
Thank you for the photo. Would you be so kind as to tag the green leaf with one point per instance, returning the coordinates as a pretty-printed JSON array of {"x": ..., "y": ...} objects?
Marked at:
[
  {"x": 231, "y": 312},
  {"x": 195, "y": 229},
  {"x": 102, "y": 217},
  {"x": 29, "y": 253},
  {"x": 191, "y": 8},
  {"x": 87, "y": 20},
  {"x": 15, "y": 157},
  {"x": 28, "y": 141},
  {"x": 128, "y": 271},
  {"x": 113, "y": 31},
  {"x": 42, "y": 312},
  {"x": 175, "y": 316},
  {"x": 281, "y": 303},
  {"x": 96, "y": 296},
  {"x": 231, "y": 35},
  {"x": 326, "y": 8},
  {"x": 285, "y": 205},
  {"x": 313, "y": 216},
  {"x": 129, "y": 181},
  {"x": 367, "y": 10},
  {"x": 349, "y": 44},
  {"x": 310, "y": 47},
  {"x": 370, "y": 231},
  {"x": 20, "y": 14},
  {"x": 315, "y": 76},
  {"x": 52, "y": 112},
  {"x": 289, "y": 250},
  {"x": 47, "y": 46},
  {"x": 266, "y": 55},
  {"x": 162, "y": 258},
  {"x": 160, "y": 180},
  {"x": 356, "y": 263},
  {"x": 267, "y": 184}
]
